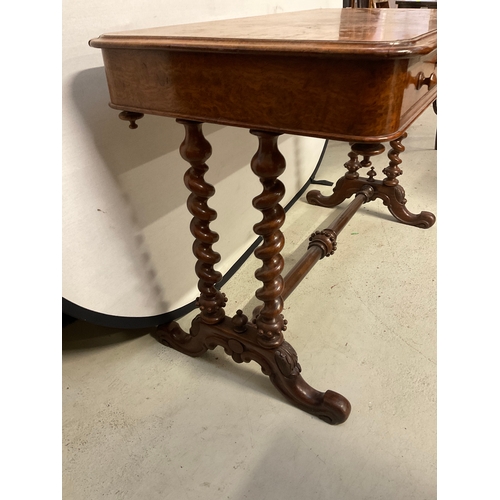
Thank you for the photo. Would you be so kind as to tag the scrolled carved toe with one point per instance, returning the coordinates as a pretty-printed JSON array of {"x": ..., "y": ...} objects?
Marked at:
[
  {"x": 172, "y": 335},
  {"x": 424, "y": 220},
  {"x": 344, "y": 189},
  {"x": 394, "y": 199},
  {"x": 336, "y": 408},
  {"x": 315, "y": 197},
  {"x": 427, "y": 220},
  {"x": 329, "y": 406}
]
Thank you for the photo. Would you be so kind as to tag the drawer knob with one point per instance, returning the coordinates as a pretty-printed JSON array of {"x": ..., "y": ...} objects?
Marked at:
[
  {"x": 131, "y": 117},
  {"x": 421, "y": 80}
]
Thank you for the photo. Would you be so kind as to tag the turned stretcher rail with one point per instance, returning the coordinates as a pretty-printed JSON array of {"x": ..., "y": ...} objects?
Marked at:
[{"x": 324, "y": 243}]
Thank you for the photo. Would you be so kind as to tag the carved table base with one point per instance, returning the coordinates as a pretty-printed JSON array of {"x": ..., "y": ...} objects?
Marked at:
[
  {"x": 388, "y": 190},
  {"x": 393, "y": 198},
  {"x": 280, "y": 364},
  {"x": 262, "y": 340}
]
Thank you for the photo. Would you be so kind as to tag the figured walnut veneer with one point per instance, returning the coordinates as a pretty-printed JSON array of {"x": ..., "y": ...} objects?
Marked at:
[{"x": 335, "y": 73}]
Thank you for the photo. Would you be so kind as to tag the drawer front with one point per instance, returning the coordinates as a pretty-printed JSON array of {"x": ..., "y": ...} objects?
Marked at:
[
  {"x": 337, "y": 98},
  {"x": 421, "y": 87}
]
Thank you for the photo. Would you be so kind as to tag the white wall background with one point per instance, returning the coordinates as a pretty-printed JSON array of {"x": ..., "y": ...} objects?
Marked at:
[{"x": 126, "y": 240}]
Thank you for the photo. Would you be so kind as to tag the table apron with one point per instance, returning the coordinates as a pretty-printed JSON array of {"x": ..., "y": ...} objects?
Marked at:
[{"x": 318, "y": 97}]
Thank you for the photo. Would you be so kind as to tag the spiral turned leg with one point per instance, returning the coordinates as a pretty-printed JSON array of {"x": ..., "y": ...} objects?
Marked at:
[
  {"x": 261, "y": 341},
  {"x": 392, "y": 193},
  {"x": 268, "y": 163},
  {"x": 196, "y": 150},
  {"x": 276, "y": 356}
]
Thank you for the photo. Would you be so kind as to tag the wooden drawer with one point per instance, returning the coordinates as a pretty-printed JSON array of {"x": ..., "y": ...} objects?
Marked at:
[{"x": 421, "y": 87}]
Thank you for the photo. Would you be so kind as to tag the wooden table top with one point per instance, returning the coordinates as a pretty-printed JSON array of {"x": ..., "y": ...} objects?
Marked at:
[
  {"x": 365, "y": 32},
  {"x": 345, "y": 74}
]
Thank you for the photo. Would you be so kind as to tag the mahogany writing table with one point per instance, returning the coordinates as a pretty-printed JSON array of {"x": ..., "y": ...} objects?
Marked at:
[{"x": 356, "y": 75}]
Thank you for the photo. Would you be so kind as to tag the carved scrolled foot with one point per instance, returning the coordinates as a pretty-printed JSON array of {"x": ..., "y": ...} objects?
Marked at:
[
  {"x": 329, "y": 406},
  {"x": 394, "y": 199},
  {"x": 315, "y": 197},
  {"x": 349, "y": 184},
  {"x": 344, "y": 188},
  {"x": 172, "y": 335},
  {"x": 239, "y": 339}
]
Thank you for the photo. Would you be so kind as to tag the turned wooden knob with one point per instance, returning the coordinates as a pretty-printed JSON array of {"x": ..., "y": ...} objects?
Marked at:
[
  {"x": 131, "y": 117},
  {"x": 421, "y": 80},
  {"x": 239, "y": 322}
]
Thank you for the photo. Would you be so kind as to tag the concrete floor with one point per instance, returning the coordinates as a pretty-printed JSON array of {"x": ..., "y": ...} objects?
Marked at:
[{"x": 144, "y": 422}]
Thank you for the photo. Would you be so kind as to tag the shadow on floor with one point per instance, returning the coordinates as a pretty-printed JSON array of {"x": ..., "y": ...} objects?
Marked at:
[{"x": 82, "y": 335}]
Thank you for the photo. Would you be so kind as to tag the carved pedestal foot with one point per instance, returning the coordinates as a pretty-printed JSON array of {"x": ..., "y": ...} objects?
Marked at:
[
  {"x": 280, "y": 363},
  {"x": 172, "y": 335},
  {"x": 329, "y": 406},
  {"x": 393, "y": 198},
  {"x": 344, "y": 188},
  {"x": 388, "y": 190}
]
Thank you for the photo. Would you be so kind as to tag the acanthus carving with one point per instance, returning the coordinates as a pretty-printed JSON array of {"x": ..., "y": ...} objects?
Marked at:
[{"x": 287, "y": 360}]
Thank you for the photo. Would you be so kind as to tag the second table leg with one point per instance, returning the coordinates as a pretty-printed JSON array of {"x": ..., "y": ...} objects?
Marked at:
[{"x": 389, "y": 190}]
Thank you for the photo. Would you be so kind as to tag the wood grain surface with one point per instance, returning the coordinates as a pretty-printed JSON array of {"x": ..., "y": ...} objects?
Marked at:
[{"x": 367, "y": 32}]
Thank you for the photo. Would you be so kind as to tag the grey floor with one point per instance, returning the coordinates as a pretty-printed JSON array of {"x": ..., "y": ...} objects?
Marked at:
[{"x": 143, "y": 422}]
